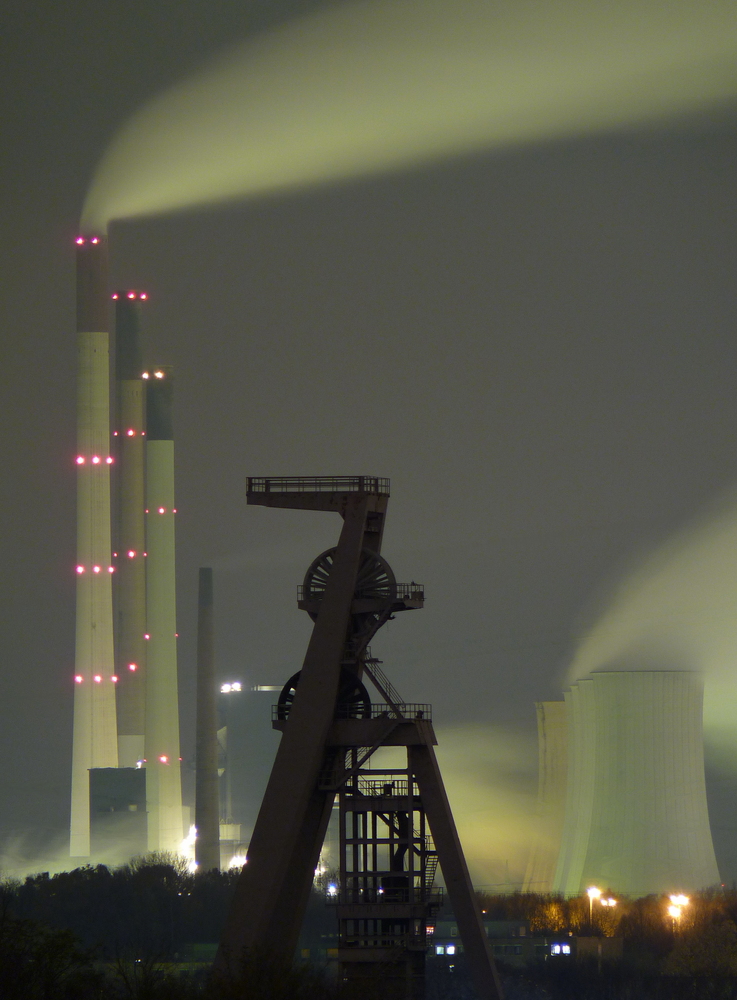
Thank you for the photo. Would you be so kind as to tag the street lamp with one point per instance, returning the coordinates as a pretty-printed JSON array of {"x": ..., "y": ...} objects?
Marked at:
[
  {"x": 593, "y": 893},
  {"x": 609, "y": 902}
]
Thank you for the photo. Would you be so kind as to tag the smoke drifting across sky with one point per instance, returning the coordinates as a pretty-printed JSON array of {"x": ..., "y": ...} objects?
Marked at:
[
  {"x": 380, "y": 84},
  {"x": 678, "y": 610}
]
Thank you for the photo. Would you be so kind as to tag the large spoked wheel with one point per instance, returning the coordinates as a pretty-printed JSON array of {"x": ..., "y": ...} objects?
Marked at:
[
  {"x": 353, "y": 698},
  {"x": 375, "y": 580}
]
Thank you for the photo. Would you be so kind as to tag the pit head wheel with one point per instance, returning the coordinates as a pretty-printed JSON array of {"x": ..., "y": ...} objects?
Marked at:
[{"x": 375, "y": 580}]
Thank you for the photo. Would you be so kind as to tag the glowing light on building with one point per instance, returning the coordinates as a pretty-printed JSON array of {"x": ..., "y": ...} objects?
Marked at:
[
  {"x": 164, "y": 759},
  {"x": 111, "y": 569},
  {"x": 80, "y": 569},
  {"x": 114, "y": 679},
  {"x": 98, "y": 679},
  {"x": 130, "y": 432},
  {"x": 95, "y": 569},
  {"x": 237, "y": 861},
  {"x": 115, "y": 295},
  {"x": 79, "y": 240},
  {"x": 131, "y": 295},
  {"x": 131, "y": 554},
  {"x": 145, "y": 375},
  {"x": 80, "y": 459},
  {"x": 143, "y": 295},
  {"x": 78, "y": 678},
  {"x": 95, "y": 459},
  {"x": 109, "y": 460},
  {"x": 162, "y": 510},
  {"x": 133, "y": 666},
  {"x": 158, "y": 374}
]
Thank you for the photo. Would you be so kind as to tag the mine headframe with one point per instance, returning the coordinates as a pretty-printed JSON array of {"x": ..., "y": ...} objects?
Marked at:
[{"x": 395, "y": 824}]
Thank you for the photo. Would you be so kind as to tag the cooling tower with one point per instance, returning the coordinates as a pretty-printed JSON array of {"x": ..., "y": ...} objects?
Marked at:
[
  {"x": 636, "y": 812},
  {"x": 163, "y": 770},
  {"x": 552, "y": 741},
  {"x": 95, "y": 730},
  {"x": 130, "y": 591}
]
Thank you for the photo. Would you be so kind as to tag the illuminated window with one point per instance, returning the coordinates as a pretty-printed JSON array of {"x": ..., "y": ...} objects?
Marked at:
[
  {"x": 450, "y": 950},
  {"x": 439, "y": 949}
]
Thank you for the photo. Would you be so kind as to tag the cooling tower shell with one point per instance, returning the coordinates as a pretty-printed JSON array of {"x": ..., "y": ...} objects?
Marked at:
[
  {"x": 637, "y": 820},
  {"x": 552, "y": 739}
]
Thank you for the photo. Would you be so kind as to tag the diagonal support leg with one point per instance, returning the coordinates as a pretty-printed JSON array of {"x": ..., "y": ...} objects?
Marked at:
[
  {"x": 284, "y": 818},
  {"x": 424, "y": 765}
]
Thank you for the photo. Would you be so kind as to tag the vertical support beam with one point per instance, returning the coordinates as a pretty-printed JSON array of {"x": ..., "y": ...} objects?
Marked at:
[
  {"x": 254, "y": 916},
  {"x": 130, "y": 590},
  {"x": 207, "y": 806},
  {"x": 95, "y": 731},
  {"x": 163, "y": 769},
  {"x": 480, "y": 958}
]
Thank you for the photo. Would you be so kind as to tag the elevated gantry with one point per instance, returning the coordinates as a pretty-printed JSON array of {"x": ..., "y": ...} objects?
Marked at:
[{"x": 395, "y": 824}]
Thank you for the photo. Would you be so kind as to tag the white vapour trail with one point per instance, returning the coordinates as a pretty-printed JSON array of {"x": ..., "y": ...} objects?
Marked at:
[
  {"x": 678, "y": 609},
  {"x": 372, "y": 85}
]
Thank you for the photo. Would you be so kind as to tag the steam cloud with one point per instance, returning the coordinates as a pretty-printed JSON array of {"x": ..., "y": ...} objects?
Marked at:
[
  {"x": 678, "y": 610},
  {"x": 380, "y": 84},
  {"x": 490, "y": 775}
]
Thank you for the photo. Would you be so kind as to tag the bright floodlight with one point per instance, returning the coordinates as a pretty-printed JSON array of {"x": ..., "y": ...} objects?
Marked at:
[
  {"x": 593, "y": 893},
  {"x": 680, "y": 900}
]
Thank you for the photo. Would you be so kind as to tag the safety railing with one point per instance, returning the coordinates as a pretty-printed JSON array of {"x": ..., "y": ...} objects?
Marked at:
[
  {"x": 410, "y": 712},
  {"x": 319, "y": 484}
]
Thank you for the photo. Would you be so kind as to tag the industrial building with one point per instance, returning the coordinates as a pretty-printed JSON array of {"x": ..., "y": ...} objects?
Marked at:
[
  {"x": 636, "y": 816},
  {"x": 126, "y": 782}
]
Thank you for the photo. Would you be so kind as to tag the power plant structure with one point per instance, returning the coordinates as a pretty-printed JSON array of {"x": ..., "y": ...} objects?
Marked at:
[
  {"x": 622, "y": 788},
  {"x": 395, "y": 823},
  {"x": 95, "y": 743},
  {"x": 126, "y": 783}
]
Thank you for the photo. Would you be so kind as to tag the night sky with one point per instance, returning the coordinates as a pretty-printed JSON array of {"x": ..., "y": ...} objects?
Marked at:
[{"x": 536, "y": 345}]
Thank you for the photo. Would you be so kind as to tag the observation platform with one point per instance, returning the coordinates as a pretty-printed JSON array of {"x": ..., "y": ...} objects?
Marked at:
[{"x": 314, "y": 492}]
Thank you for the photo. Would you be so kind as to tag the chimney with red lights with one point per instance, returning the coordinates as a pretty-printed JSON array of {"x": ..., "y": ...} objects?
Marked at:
[
  {"x": 95, "y": 729},
  {"x": 162, "y": 760},
  {"x": 130, "y": 590}
]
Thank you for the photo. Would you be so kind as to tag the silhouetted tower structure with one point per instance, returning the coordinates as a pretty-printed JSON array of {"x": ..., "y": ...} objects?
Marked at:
[
  {"x": 207, "y": 800},
  {"x": 394, "y": 825}
]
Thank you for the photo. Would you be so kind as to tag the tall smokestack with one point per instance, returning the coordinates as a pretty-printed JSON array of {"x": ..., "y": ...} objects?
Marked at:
[
  {"x": 207, "y": 805},
  {"x": 130, "y": 645},
  {"x": 95, "y": 731},
  {"x": 163, "y": 772}
]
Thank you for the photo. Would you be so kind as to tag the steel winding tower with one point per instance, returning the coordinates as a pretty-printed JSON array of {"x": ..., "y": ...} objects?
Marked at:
[{"x": 395, "y": 825}]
